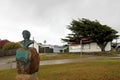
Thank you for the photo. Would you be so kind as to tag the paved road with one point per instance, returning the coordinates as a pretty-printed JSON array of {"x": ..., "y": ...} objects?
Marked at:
[{"x": 5, "y": 63}]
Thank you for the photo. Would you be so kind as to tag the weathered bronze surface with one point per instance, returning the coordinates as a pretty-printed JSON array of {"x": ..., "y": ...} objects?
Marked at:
[
  {"x": 26, "y": 42},
  {"x": 27, "y": 59}
]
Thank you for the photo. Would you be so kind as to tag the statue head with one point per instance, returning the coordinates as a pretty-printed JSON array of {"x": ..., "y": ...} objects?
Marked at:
[
  {"x": 26, "y": 34},
  {"x": 26, "y": 42}
]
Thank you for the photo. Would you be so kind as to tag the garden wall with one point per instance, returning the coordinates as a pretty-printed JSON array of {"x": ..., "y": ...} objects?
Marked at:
[{"x": 7, "y": 52}]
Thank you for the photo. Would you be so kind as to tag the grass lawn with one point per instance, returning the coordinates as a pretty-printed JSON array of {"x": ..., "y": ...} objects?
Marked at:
[
  {"x": 92, "y": 70},
  {"x": 61, "y": 56}
]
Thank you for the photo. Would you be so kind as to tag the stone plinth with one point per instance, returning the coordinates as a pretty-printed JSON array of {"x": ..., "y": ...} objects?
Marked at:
[{"x": 26, "y": 77}]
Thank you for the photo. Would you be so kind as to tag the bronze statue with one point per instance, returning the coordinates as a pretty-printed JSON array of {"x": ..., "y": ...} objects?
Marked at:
[
  {"x": 27, "y": 58},
  {"x": 26, "y": 42}
]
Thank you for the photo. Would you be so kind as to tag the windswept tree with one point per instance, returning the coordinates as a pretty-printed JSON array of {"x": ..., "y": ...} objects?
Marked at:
[{"x": 93, "y": 30}]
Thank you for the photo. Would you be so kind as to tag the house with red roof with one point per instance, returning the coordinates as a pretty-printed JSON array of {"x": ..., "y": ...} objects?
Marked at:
[{"x": 86, "y": 45}]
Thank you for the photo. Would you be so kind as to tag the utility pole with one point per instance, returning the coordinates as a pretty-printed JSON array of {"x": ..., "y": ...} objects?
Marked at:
[
  {"x": 33, "y": 41},
  {"x": 44, "y": 45},
  {"x": 81, "y": 46}
]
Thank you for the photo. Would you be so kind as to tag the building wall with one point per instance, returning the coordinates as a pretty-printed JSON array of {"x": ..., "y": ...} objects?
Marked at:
[
  {"x": 57, "y": 49},
  {"x": 91, "y": 47},
  {"x": 108, "y": 47},
  {"x": 36, "y": 46},
  {"x": 45, "y": 50},
  {"x": 76, "y": 48}
]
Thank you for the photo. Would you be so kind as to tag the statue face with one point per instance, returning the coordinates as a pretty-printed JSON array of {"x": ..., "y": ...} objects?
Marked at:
[{"x": 26, "y": 34}]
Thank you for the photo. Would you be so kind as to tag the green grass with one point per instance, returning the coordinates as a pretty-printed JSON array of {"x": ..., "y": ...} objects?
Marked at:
[
  {"x": 8, "y": 74},
  {"x": 71, "y": 56},
  {"x": 92, "y": 70},
  {"x": 61, "y": 56}
]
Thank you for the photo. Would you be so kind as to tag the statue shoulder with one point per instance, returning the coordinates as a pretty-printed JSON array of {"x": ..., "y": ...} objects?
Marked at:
[{"x": 26, "y": 43}]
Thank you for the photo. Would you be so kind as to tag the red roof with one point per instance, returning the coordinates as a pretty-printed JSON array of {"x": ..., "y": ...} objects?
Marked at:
[{"x": 85, "y": 40}]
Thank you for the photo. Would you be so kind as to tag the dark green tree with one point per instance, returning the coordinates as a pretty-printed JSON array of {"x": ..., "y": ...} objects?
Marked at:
[{"x": 93, "y": 30}]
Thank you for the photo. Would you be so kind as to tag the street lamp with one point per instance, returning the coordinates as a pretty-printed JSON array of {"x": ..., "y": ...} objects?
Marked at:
[{"x": 44, "y": 45}]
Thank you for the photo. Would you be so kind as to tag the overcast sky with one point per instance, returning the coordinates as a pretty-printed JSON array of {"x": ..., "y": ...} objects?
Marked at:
[{"x": 48, "y": 19}]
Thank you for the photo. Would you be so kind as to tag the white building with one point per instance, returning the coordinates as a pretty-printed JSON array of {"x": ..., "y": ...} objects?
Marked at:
[
  {"x": 35, "y": 45},
  {"x": 57, "y": 49},
  {"x": 87, "y": 46},
  {"x": 46, "y": 48}
]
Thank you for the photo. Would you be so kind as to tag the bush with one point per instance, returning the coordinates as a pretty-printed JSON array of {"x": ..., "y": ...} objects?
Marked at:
[
  {"x": 11, "y": 45},
  {"x": 2, "y": 43}
]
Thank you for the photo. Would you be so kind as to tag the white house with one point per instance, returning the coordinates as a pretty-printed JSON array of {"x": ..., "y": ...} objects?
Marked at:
[
  {"x": 87, "y": 46},
  {"x": 57, "y": 49},
  {"x": 36, "y": 45},
  {"x": 46, "y": 48}
]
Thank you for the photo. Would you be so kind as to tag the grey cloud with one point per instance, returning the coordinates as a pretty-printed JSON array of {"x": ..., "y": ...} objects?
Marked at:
[{"x": 49, "y": 18}]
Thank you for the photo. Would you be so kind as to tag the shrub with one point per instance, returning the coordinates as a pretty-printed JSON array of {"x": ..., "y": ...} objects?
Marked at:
[
  {"x": 11, "y": 45},
  {"x": 2, "y": 43}
]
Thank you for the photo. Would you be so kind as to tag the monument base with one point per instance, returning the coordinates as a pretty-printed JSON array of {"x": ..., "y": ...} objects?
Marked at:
[{"x": 26, "y": 77}]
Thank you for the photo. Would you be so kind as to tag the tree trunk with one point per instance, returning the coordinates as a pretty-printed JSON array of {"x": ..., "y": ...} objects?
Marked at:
[{"x": 102, "y": 46}]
